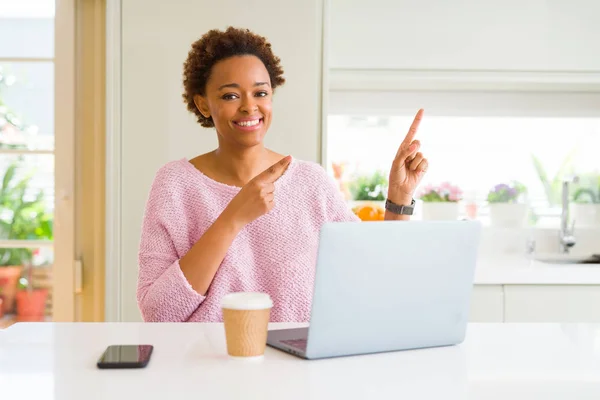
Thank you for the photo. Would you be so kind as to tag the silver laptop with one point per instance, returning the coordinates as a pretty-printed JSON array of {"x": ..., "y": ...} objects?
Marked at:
[{"x": 387, "y": 286}]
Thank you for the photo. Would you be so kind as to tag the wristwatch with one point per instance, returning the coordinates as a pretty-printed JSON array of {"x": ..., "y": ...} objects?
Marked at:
[{"x": 398, "y": 209}]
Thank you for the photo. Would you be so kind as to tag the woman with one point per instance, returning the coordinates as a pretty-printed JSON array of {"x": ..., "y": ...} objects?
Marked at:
[{"x": 242, "y": 217}]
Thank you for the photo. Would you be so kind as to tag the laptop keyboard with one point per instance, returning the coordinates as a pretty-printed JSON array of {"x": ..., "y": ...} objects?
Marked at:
[{"x": 296, "y": 343}]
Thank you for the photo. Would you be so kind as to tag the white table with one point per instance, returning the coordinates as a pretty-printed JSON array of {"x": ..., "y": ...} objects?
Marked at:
[{"x": 497, "y": 361}]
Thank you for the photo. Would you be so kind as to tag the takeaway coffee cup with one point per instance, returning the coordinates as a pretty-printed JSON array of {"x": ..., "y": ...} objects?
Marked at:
[{"x": 246, "y": 318}]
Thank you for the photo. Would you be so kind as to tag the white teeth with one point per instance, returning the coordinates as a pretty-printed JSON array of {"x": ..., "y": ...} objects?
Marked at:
[{"x": 249, "y": 123}]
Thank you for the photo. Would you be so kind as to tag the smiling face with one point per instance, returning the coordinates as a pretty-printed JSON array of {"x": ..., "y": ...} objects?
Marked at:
[{"x": 238, "y": 98}]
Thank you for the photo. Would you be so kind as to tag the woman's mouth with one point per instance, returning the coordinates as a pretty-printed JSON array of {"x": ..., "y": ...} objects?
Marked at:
[{"x": 249, "y": 124}]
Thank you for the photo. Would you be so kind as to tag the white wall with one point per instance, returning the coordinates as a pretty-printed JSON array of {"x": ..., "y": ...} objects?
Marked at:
[
  {"x": 156, "y": 126},
  {"x": 523, "y": 35}
]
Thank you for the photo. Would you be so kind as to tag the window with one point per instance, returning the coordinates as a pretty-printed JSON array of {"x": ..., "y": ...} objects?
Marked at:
[
  {"x": 26, "y": 148},
  {"x": 473, "y": 140}
]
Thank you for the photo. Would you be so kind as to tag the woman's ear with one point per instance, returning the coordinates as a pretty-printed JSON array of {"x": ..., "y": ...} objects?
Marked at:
[{"x": 202, "y": 105}]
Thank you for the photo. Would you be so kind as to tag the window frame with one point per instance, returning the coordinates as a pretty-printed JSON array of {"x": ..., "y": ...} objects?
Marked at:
[{"x": 63, "y": 269}]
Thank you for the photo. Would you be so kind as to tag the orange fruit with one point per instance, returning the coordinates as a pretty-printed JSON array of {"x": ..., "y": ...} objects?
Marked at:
[
  {"x": 380, "y": 214},
  {"x": 368, "y": 213}
]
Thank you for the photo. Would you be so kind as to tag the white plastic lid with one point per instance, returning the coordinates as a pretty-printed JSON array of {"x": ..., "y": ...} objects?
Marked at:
[{"x": 247, "y": 301}]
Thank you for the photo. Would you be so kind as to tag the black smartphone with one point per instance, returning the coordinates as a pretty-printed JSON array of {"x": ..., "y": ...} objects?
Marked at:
[{"x": 125, "y": 356}]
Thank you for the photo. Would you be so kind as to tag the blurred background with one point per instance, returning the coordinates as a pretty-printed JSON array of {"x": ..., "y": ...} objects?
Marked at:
[{"x": 90, "y": 108}]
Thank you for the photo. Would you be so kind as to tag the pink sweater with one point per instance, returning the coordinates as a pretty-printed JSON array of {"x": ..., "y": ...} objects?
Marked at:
[{"x": 275, "y": 254}]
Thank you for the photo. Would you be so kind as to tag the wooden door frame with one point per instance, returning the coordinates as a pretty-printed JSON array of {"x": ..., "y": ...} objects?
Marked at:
[
  {"x": 63, "y": 271},
  {"x": 80, "y": 120},
  {"x": 113, "y": 311},
  {"x": 90, "y": 157}
]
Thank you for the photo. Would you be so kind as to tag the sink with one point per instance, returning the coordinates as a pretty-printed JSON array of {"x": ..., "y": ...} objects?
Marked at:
[{"x": 568, "y": 259}]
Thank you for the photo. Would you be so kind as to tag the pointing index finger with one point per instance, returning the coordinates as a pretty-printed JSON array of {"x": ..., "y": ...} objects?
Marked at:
[
  {"x": 413, "y": 128},
  {"x": 275, "y": 171}
]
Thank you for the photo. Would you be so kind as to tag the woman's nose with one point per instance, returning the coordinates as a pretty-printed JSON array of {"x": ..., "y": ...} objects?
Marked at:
[{"x": 248, "y": 105}]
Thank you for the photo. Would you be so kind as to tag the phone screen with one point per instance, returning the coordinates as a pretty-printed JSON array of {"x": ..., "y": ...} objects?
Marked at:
[{"x": 125, "y": 356}]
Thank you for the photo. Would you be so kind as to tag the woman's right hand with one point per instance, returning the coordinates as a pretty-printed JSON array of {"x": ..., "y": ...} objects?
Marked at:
[{"x": 256, "y": 198}]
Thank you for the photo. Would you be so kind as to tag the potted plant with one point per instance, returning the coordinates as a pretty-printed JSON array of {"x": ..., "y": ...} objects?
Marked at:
[
  {"x": 9, "y": 130},
  {"x": 507, "y": 206},
  {"x": 22, "y": 217},
  {"x": 31, "y": 301},
  {"x": 368, "y": 195},
  {"x": 586, "y": 201},
  {"x": 440, "y": 202}
]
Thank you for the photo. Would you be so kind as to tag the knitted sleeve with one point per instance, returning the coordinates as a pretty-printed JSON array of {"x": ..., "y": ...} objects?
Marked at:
[{"x": 163, "y": 292}]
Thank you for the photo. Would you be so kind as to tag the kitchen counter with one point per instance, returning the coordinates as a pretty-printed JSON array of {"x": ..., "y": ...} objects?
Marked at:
[
  {"x": 517, "y": 270},
  {"x": 496, "y": 361}
]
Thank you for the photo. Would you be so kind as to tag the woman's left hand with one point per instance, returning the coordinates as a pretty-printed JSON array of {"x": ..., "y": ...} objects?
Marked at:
[{"x": 408, "y": 168}]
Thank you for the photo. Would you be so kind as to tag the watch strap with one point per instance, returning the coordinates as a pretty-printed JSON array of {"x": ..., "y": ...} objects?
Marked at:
[{"x": 400, "y": 209}]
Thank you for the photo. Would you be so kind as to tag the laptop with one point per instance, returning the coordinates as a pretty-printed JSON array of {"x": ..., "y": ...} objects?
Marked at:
[{"x": 387, "y": 286}]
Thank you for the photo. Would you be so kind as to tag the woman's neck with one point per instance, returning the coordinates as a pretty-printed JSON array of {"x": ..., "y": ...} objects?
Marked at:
[{"x": 242, "y": 166}]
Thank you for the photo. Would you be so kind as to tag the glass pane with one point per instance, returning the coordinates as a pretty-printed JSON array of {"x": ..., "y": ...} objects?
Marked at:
[
  {"x": 26, "y": 28},
  {"x": 476, "y": 153},
  {"x": 38, "y": 258},
  {"x": 27, "y": 105},
  {"x": 26, "y": 197}
]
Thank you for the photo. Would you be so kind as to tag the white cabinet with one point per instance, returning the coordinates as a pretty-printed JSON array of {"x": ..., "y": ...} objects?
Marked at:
[
  {"x": 487, "y": 304},
  {"x": 536, "y": 303},
  {"x": 551, "y": 303}
]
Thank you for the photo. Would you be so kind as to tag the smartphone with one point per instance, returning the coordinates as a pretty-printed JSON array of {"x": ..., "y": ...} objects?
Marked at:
[{"x": 125, "y": 356}]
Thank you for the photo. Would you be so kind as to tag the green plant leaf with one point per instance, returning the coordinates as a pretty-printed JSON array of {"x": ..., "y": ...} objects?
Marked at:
[
  {"x": 22, "y": 219},
  {"x": 553, "y": 188},
  {"x": 7, "y": 179},
  {"x": 587, "y": 189},
  {"x": 542, "y": 176},
  {"x": 369, "y": 187},
  {"x": 582, "y": 194}
]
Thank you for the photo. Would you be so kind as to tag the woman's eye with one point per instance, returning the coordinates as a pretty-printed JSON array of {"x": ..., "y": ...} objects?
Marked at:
[
  {"x": 262, "y": 94},
  {"x": 229, "y": 96}
]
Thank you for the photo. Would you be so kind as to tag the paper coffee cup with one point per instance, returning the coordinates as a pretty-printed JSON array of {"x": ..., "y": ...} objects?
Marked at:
[{"x": 246, "y": 319}]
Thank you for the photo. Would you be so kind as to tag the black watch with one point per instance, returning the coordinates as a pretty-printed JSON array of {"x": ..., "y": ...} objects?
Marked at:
[{"x": 398, "y": 209}]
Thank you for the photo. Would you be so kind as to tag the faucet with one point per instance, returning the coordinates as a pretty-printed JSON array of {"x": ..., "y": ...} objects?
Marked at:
[{"x": 566, "y": 238}]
